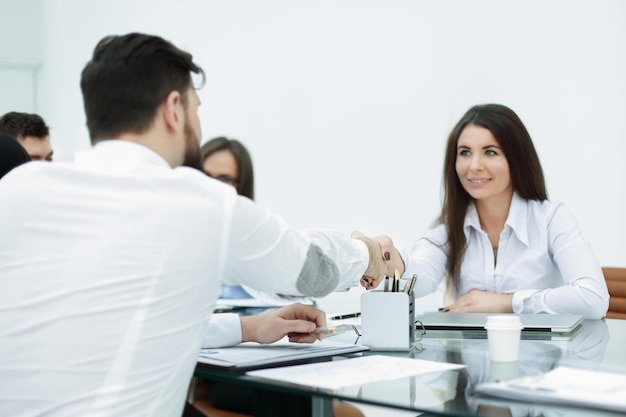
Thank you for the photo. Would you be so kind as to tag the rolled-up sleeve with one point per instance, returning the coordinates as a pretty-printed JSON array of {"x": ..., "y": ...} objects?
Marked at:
[{"x": 428, "y": 260}]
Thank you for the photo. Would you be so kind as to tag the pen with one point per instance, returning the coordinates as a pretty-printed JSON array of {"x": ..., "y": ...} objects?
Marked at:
[
  {"x": 412, "y": 284},
  {"x": 332, "y": 329},
  {"x": 396, "y": 281},
  {"x": 386, "y": 283},
  {"x": 345, "y": 316}
]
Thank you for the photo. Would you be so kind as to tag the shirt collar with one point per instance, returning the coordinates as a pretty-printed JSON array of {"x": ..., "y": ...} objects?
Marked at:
[
  {"x": 122, "y": 150},
  {"x": 471, "y": 219},
  {"x": 517, "y": 219}
]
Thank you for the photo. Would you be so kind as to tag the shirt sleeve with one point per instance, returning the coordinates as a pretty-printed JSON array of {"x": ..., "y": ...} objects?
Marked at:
[
  {"x": 584, "y": 291},
  {"x": 224, "y": 329},
  {"x": 427, "y": 260},
  {"x": 266, "y": 254}
]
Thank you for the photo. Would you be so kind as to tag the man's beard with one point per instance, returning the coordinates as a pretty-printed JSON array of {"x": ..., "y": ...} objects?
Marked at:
[{"x": 192, "y": 149}]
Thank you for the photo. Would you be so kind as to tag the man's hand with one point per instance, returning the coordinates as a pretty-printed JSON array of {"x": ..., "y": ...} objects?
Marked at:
[
  {"x": 384, "y": 259},
  {"x": 477, "y": 301},
  {"x": 296, "y": 321}
]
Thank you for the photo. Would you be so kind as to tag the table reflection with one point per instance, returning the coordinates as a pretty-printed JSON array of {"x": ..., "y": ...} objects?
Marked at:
[{"x": 584, "y": 350}]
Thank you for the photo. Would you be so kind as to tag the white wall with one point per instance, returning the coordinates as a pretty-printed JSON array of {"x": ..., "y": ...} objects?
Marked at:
[
  {"x": 21, "y": 49},
  {"x": 21, "y": 31},
  {"x": 345, "y": 105}
]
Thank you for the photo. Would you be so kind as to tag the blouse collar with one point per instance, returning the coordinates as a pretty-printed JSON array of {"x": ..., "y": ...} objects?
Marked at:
[{"x": 517, "y": 218}]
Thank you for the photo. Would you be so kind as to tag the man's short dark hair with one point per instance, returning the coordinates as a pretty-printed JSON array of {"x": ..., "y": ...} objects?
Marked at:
[
  {"x": 20, "y": 125},
  {"x": 127, "y": 80}
]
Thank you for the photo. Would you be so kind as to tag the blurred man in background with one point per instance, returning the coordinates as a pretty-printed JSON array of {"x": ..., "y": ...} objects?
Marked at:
[{"x": 31, "y": 132}]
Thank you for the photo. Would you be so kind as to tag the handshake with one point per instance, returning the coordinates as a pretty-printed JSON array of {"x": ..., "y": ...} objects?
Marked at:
[{"x": 384, "y": 259}]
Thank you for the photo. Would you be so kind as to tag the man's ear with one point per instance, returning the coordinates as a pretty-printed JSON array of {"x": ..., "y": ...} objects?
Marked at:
[{"x": 173, "y": 110}]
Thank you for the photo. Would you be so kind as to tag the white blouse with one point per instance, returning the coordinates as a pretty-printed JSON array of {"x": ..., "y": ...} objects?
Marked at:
[{"x": 543, "y": 260}]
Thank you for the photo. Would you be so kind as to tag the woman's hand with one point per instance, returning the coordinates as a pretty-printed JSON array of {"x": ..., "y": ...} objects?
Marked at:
[{"x": 477, "y": 301}]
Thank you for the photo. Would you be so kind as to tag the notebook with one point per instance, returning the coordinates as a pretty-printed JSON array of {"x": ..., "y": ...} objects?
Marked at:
[{"x": 549, "y": 325}]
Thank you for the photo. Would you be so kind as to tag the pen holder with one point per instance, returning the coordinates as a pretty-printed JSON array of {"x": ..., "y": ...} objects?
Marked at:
[{"x": 387, "y": 320}]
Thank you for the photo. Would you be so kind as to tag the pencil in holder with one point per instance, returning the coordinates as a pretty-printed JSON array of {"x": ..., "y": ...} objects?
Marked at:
[{"x": 387, "y": 320}]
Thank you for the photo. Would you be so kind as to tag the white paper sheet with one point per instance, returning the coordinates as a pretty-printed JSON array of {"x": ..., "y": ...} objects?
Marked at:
[
  {"x": 254, "y": 355},
  {"x": 565, "y": 385},
  {"x": 353, "y": 371},
  {"x": 262, "y": 299}
]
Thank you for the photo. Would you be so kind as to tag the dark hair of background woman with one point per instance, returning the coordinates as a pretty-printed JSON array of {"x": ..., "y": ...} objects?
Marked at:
[{"x": 245, "y": 172}]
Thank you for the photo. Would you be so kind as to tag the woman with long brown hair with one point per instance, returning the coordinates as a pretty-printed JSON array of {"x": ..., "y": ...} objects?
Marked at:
[{"x": 500, "y": 243}]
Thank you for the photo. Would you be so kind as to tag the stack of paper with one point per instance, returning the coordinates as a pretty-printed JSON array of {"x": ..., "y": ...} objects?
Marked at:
[
  {"x": 254, "y": 355},
  {"x": 258, "y": 298}
]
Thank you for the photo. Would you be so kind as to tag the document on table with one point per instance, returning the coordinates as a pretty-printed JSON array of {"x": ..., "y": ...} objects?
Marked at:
[
  {"x": 261, "y": 299},
  {"x": 353, "y": 371},
  {"x": 564, "y": 386},
  {"x": 252, "y": 355}
]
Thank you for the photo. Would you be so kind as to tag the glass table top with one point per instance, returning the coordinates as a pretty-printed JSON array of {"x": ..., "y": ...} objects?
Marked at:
[{"x": 598, "y": 346}]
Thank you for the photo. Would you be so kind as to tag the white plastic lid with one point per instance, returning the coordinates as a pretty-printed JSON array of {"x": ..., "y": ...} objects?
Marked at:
[{"x": 504, "y": 321}]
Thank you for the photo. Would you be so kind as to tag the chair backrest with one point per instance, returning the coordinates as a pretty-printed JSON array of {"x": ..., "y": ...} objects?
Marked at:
[{"x": 616, "y": 282}]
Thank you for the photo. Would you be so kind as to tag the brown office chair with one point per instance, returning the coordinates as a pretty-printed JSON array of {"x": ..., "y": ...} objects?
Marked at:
[{"x": 616, "y": 283}]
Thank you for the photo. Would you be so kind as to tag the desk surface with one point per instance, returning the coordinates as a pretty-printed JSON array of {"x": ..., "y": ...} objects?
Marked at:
[{"x": 598, "y": 346}]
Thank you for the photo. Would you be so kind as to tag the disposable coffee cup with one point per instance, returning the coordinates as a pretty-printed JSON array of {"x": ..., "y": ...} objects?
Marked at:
[
  {"x": 504, "y": 333},
  {"x": 501, "y": 371}
]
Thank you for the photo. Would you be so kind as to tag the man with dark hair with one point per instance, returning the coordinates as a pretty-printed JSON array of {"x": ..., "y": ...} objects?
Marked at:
[
  {"x": 32, "y": 133},
  {"x": 110, "y": 265}
]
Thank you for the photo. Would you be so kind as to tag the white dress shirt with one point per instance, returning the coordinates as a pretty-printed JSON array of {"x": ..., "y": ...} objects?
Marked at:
[
  {"x": 224, "y": 330},
  {"x": 109, "y": 269},
  {"x": 543, "y": 260}
]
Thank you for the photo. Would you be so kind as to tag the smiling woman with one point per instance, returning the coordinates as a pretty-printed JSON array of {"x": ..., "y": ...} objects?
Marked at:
[
  {"x": 503, "y": 246},
  {"x": 477, "y": 170}
]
